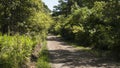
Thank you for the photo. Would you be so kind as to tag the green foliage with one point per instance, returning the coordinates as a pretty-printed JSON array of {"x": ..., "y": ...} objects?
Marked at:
[
  {"x": 28, "y": 18},
  {"x": 23, "y": 16},
  {"x": 15, "y": 50},
  {"x": 74, "y": 30},
  {"x": 43, "y": 60},
  {"x": 57, "y": 24},
  {"x": 94, "y": 23}
]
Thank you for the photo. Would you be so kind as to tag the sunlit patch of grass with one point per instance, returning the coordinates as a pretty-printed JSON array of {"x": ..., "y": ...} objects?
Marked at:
[
  {"x": 58, "y": 35},
  {"x": 43, "y": 60},
  {"x": 95, "y": 52},
  {"x": 15, "y": 50},
  {"x": 83, "y": 48},
  {"x": 79, "y": 47}
]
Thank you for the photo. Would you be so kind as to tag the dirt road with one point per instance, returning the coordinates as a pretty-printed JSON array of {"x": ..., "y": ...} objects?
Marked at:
[{"x": 65, "y": 56}]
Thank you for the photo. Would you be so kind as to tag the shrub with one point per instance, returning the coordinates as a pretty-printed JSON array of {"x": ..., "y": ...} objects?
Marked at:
[{"x": 15, "y": 50}]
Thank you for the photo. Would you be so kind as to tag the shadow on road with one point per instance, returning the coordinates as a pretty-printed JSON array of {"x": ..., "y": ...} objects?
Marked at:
[{"x": 78, "y": 58}]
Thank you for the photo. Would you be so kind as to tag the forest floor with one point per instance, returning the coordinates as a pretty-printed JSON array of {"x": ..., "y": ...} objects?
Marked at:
[{"x": 63, "y": 55}]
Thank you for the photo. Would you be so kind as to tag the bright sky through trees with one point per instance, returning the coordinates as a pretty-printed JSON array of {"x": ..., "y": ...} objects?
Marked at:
[{"x": 50, "y": 3}]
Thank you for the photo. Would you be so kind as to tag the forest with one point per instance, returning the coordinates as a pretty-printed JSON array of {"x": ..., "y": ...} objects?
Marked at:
[
  {"x": 89, "y": 23},
  {"x": 26, "y": 23}
]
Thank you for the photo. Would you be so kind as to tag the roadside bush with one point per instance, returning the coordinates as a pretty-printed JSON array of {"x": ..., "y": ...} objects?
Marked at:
[
  {"x": 15, "y": 50},
  {"x": 73, "y": 29}
]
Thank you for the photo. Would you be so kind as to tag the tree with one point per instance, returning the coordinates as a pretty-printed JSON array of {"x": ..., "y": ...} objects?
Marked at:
[
  {"x": 95, "y": 23},
  {"x": 16, "y": 15}
]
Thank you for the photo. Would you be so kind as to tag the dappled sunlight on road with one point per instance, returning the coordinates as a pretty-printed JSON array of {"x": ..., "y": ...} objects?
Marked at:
[{"x": 65, "y": 56}]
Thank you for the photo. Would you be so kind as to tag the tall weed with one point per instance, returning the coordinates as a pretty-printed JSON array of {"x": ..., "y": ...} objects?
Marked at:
[{"x": 15, "y": 50}]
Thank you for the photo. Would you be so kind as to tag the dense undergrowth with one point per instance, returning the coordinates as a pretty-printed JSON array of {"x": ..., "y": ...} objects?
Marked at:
[
  {"x": 15, "y": 51},
  {"x": 43, "y": 60}
]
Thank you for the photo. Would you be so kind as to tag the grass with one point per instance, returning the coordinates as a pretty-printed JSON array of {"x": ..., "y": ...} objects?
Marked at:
[
  {"x": 97, "y": 53},
  {"x": 14, "y": 50},
  {"x": 43, "y": 60},
  {"x": 79, "y": 47}
]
